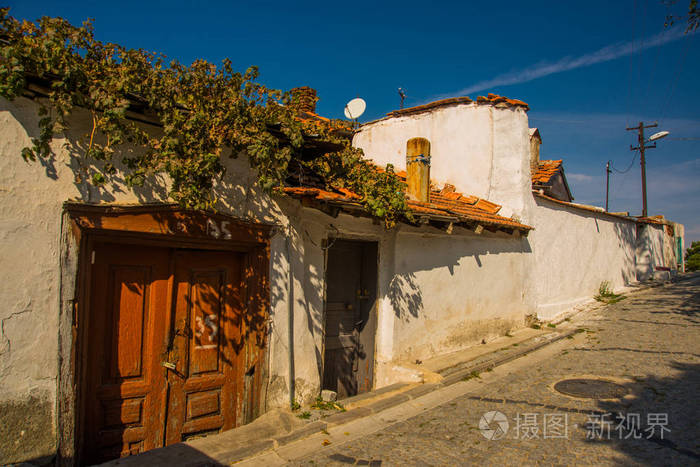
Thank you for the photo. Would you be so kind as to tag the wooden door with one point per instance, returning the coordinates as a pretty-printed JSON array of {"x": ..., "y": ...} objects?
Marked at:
[
  {"x": 125, "y": 382},
  {"x": 164, "y": 346},
  {"x": 348, "y": 362},
  {"x": 206, "y": 376}
]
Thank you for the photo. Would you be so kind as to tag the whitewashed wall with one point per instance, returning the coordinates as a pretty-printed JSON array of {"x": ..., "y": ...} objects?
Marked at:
[
  {"x": 31, "y": 198},
  {"x": 480, "y": 149},
  {"x": 653, "y": 251},
  {"x": 437, "y": 293},
  {"x": 576, "y": 250},
  {"x": 450, "y": 292}
]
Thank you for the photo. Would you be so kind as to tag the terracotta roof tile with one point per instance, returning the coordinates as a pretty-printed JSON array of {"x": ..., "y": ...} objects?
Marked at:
[
  {"x": 599, "y": 210},
  {"x": 445, "y": 204},
  {"x": 545, "y": 171},
  {"x": 314, "y": 120},
  {"x": 431, "y": 106},
  {"x": 493, "y": 99}
]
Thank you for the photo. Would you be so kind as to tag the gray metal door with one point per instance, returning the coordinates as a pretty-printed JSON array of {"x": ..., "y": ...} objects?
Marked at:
[{"x": 351, "y": 277}]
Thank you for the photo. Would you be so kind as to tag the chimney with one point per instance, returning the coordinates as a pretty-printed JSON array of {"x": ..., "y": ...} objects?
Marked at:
[
  {"x": 535, "y": 142},
  {"x": 304, "y": 99},
  {"x": 418, "y": 169}
]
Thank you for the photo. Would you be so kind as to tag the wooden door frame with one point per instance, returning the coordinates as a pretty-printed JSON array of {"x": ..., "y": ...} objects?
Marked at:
[
  {"x": 162, "y": 225},
  {"x": 327, "y": 244}
]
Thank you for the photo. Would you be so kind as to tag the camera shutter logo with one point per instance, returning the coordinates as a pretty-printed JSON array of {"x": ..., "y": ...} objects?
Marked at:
[{"x": 493, "y": 425}]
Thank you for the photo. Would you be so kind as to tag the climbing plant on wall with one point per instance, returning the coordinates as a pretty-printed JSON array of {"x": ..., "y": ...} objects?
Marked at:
[{"x": 205, "y": 112}]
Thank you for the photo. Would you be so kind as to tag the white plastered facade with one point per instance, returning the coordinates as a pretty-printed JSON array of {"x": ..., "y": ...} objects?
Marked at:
[{"x": 437, "y": 293}]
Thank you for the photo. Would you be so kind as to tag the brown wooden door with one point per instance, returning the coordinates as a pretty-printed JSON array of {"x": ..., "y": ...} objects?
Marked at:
[
  {"x": 150, "y": 308},
  {"x": 125, "y": 380},
  {"x": 206, "y": 382}
]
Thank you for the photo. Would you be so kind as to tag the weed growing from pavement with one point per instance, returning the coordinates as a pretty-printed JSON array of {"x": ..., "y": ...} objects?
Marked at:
[
  {"x": 472, "y": 375},
  {"x": 320, "y": 404},
  {"x": 304, "y": 415},
  {"x": 551, "y": 325},
  {"x": 606, "y": 294}
]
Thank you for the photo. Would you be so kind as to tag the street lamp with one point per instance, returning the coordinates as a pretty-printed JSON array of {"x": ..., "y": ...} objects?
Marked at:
[
  {"x": 642, "y": 147},
  {"x": 659, "y": 135}
]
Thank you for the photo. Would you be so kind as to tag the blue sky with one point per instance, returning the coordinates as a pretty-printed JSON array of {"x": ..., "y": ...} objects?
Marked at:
[{"x": 587, "y": 69}]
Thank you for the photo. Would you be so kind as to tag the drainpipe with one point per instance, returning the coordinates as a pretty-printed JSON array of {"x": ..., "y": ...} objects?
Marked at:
[{"x": 290, "y": 316}]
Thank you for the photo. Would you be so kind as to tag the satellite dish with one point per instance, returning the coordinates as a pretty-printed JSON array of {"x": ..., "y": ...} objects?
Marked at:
[
  {"x": 355, "y": 108},
  {"x": 658, "y": 135}
]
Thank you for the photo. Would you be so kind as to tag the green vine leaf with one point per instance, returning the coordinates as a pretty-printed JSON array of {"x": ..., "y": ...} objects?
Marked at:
[{"x": 203, "y": 110}]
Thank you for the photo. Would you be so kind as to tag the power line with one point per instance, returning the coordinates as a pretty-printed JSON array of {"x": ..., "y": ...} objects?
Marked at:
[
  {"x": 628, "y": 168},
  {"x": 641, "y": 147}
]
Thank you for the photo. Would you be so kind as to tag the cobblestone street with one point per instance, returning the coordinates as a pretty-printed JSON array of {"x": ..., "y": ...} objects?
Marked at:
[{"x": 648, "y": 343}]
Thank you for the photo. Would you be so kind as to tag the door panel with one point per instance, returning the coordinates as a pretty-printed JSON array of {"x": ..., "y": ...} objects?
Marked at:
[
  {"x": 154, "y": 306},
  {"x": 350, "y": 321},
  {"x": 125, "y": 382},
  {"x": 340, "y": 349},
  {"x": 206, "y": 351}
]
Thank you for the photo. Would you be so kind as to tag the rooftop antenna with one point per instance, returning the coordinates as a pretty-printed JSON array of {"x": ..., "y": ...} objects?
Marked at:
[
  {"x": 355, "y": 108},
  {"x": 402, "y": 95}
]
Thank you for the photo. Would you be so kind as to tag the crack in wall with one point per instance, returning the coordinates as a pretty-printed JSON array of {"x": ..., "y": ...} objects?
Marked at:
[{"x": 5, "y": 344}]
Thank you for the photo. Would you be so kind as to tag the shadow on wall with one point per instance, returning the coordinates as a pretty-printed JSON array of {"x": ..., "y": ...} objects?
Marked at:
[
  {"x": 405, "y": 296},
  {"x": 627, "y": 241},
  {"x": 75, "y": 145},
  {"x": 428, "y": 254},
  {"x": 312, "y": 282},
  {"x": 294, "y": 252},
  {"x": 649, "y": 251},
  {"x": 236, "y": 193},
  {"x": 625, "y": 233}
]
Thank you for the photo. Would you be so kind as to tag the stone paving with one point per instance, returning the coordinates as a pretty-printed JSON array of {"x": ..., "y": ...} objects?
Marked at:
[{"x": 649, "y": 343}]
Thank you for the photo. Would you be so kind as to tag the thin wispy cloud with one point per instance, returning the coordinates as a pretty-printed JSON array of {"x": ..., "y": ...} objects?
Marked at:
[
  {"x": 579, "y": 177},
  {"x": 606, "y": 54}
]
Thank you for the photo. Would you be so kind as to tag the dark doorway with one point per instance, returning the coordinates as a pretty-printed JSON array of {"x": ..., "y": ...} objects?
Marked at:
[{"x": 351, "y": 317}]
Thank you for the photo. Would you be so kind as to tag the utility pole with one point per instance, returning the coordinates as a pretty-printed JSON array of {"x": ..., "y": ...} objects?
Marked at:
[
  {"x": 640, "y": 145},
  {"x": 607, "y": 184}
]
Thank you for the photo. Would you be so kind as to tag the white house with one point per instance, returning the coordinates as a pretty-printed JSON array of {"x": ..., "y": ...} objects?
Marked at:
[{"x": 130, "y": 323}]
